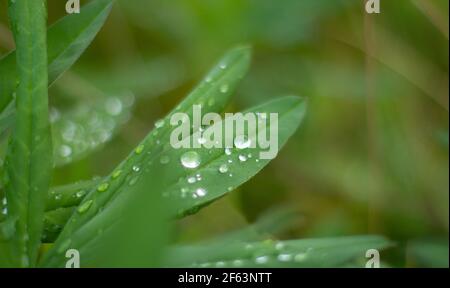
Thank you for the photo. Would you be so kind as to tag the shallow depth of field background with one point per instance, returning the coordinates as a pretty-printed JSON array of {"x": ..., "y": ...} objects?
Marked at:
[{"x": 371, "y": 156}]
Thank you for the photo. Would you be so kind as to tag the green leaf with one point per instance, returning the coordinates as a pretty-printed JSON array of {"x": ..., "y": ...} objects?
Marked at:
[
  {"x": 67, "y": 39},
  {"x": 326, "y": 252},
  {"x": 86, "y": 128},
  {"x": 148, "y": 153},
  {"x": 29, "y": 159}
]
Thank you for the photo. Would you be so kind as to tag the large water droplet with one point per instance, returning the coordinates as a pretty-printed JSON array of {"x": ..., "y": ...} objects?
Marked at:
[
  {"x": 190, "y": 159},
  {"x": 242, "y": 142}
]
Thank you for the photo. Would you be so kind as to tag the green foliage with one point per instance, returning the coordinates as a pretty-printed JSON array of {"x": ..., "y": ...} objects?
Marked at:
[
  {"x": 125, "y": 218},
  {"x": 29, "y": 159}
]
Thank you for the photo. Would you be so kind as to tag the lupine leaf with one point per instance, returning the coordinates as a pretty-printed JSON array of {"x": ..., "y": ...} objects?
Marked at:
[
  {"x": 148, "y": 152},
  {"x": 29, "y": 159},
  {"x": 67, "y": 39},
  {"x": 326, "y": 252}
]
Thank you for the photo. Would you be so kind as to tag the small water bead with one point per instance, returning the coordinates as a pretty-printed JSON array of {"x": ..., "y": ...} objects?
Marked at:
[
  {"x": 65, "y": 150},
  {"x": 231, "y": 174},
  {"x": 5, "y": 211},
  {"x": 200, "y": 192},
  {"x": 164, "y": 159},
  {"x": 139, "y": 149},
  {"x": 227, "y": 151},
  {"x": 284, "y": 257},
  {"x": 85, "y": 206},
  {"x": 300, "y": 257},
  {"x": 199, "y": 177},
  {"x": 230, "y": 189},
  {"x": 192, "y": 180},
  {"x": 4, "y": 201},
  {"x": 242, "y": 158},
  {"x": 190, "y": 160},
  {"x": 223, "y": 168},
  {"x": 249, "y": 155},
  {"x": 116, "y": 174},
  {"x": 242, "y": 142},
  {"x": 58, "y": 197},
  {"x": 220, "y": 264},
  {"x": 114, "y": 106},
  {"x": 262, "y": 259},
  {"x": 223, "y": 66},
  {"x": 159, "y": 123},
  {"x": 238, "y": 262},
  {"x": 230, "y": 161},
  {"x": 133, "y": 180},
  {"x": 208, "y": 79},
  {"x": 136, "y": 168},
  {"x": 211, "y": 102},
  {"x": 224, "y": 88},
  {"x": 80, "y": 193},
  {"x": 103, "y": 187}
]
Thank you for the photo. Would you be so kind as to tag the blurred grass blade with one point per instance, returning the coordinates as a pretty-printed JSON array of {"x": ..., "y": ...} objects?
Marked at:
[
  {"x": 79, "y": 132},
  {"x": 145, "y": 158},
  {"x": 29, "y": 159},
  {"x": 67, "y": 39},
  {"x": 131, "y": 231},
  {"x": 326, "y": 252}
]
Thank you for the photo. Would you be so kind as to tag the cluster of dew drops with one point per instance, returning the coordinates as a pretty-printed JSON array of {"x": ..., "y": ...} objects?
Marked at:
[
  {"x": 88, "y": 128},
  {"x": 190, "y": 160},
  {"x": 279, "y": 254}
]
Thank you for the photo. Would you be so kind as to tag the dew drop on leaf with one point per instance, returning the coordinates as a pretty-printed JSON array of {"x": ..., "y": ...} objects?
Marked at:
[
  {"x": 85, "y": 206},
  {"x": 190, "y": 159},
  {"x": 242, "y": 158},
  {"x": 139, "y": 149},
  {"x": 103, "y": 187},
  {"x": 223, "y": 168},
  {"x": 164, "y": 159}
]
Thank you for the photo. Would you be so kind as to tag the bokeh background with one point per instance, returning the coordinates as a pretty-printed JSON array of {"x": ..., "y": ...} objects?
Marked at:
[{"x": 372, "y": 154}]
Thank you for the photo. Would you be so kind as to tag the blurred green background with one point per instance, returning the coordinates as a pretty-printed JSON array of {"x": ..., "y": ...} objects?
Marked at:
[{"x": 372, "y": 154}]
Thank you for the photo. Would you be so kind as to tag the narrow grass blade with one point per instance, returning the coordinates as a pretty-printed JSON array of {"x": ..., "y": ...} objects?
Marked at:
[
  {"x": 29, "y": 159},
  {"x": 326, "y": 252}
]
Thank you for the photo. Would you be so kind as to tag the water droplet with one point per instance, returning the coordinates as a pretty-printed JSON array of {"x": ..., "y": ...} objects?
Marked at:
[
  {"x": 159, "y": 123},
  {"x": 199, "y": 177},
  {"x": 242, "y": 142},
  {"x": 200, "y": 192},
  {"x": 230, "y": 189},
  {"x": 228, "y": 151},
  {"x": 238, "y": 262},
  {"x": 223, "y": 66},
  {"x": 191, "y": 180},
  {"x": 279, "y": 245},
  {"x": 190, "y": 160},
  {"x": 85, "y": 206},
  {"x": 230, "y": 161},
  {"x": 211, "y": 102},
  {"x": 223, "y": 168},
  {"x": 114, "y": 106},
  {"x": 208, "y": 79},
  {"x": 133, "y": 180},
  {"x": 116, "y": 174},
  {"x": 164, "y": 159},
  {"x": 65, "y": 150},
  {"x": 300, "y": 257},
  {"x": 249, "y": 155},
  {"x": 58, "y": 197},
  {"x": 224, "y": 88},
  {"x": 80, "y": 193},
  {"x": 103, "y": 187},
  {"x": 262, "y": 259},
  {"x": 242, "y": 158},
  {"x": 136, "y": 168},
  {"x": 284, "y": 257},
  {"x": 220, "y": 264},
  {"x": 139, "y": 149}
]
